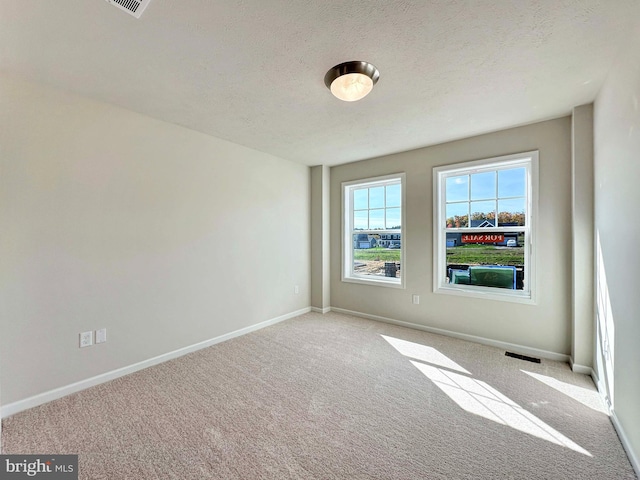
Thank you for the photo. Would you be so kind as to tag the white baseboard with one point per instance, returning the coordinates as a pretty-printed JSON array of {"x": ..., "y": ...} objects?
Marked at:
[
  {"x": 27, "y": 403},
  {"x": 321, "y": 310},
  {"x": 534, "y": 352},
  {"x": 577, "y": 368},
  {"x": 599, "y": 386},
  {"x": 633, "y": 458}
]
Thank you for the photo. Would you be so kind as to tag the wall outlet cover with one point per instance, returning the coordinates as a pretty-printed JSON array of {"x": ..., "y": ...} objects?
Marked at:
[
  {"x": 86, "y": 339},
  {"x": 101, "y": 335}
]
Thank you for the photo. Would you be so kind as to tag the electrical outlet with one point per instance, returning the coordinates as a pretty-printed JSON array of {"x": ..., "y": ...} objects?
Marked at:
[
  {"x": 415, "y": 299},
  {"x": 86, "y": 339},
  {"x": 101, "y": 335},
  {"x": 296, "y": 289}
]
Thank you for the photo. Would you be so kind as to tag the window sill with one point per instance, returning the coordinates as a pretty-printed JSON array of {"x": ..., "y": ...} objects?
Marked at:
[
  {"x": 373, "y": 282},
  {"x": 488, "y": 294}
]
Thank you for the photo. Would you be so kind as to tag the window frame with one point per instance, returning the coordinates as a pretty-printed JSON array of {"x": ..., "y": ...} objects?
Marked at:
[
  {"x": 529, "y": 160},
  {"x": 347, "y": 232}
]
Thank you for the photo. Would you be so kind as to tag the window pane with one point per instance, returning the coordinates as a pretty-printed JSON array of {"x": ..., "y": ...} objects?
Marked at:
[
  {"x": 361, "y": 220},
  {"x": 361, "y": 199},
  {"x": 364, "y": 241},
  {"x": 483, "y": 186},
  {"x": 511, "y": 212},
  {"x": 376, "y": 197},
  {"x": 393, "y": 218},
  {"x": 457, "y": 188},
  {"x": 373, "y": 225},
  {"x": 376, "y": 219},
  {"x": 393, "y": 196},
  {"x": 498, "y": 264},
  {"x": 377, "y": 257},
  {"x": 483, "y": 214},
  {"x": 457, "y": 215},
  {"x": 511, "y": 183},
  {"x": 477, "y": 250}
]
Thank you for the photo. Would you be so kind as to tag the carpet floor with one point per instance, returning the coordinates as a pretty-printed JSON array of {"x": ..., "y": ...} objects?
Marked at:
[{"x": 333, "y": 397}]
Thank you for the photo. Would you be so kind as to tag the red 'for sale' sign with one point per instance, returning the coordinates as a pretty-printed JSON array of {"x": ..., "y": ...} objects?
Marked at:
[{"x": 483, "y": 238}]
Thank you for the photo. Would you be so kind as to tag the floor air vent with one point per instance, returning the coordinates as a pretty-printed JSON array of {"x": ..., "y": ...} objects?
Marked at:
[
  {"x": 522, "y": 357},
  {"x": 132, "y": 7}
]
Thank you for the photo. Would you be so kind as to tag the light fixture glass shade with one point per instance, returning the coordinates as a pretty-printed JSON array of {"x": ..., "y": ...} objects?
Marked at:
[
  {"x": 351, "y": 87},
  {"x": 351, "y": 81}
]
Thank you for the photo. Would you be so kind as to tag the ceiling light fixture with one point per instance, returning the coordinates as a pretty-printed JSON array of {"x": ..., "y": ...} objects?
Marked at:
[{"x": 351, "y": 81}]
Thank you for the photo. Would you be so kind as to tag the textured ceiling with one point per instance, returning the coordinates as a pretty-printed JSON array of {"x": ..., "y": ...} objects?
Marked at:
[{"x": 251, "y": 71}]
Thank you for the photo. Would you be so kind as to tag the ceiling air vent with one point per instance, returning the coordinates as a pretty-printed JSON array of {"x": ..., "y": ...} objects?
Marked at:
[{"x": 132, "y": 7}]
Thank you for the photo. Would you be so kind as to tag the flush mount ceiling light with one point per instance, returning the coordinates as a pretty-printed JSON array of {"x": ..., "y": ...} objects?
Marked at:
[{"x": 351, "y": 81}]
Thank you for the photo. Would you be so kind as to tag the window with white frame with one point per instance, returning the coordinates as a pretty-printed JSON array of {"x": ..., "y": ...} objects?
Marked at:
[
  {"x": 484, "y": 227},
  {"x": 373, "y": 242}
]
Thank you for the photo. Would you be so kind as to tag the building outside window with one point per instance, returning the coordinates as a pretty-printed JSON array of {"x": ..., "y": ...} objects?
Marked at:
[
  {"x": 484, "y": 218},
  {"x": 373, "y": 247}
]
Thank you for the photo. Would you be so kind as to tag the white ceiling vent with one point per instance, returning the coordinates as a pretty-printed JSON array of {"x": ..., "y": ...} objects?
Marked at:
[{"x": 132, "y": 7}]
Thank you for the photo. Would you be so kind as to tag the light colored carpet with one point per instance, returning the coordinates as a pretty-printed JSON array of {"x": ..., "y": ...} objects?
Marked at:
[{"x": 333, "y": 397}]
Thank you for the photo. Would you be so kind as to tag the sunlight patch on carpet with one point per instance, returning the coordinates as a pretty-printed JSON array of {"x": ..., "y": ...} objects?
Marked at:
[
  {"x": 587, "y": 397},
  {"x": 478, "y": 397},
  {"x": 424, "y": 353}
]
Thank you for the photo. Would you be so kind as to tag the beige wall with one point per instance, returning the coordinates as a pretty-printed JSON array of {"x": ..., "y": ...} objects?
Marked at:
[
  {"x": 545, "y": 326},
  {"x": 582, "y": 238},
  {"x": 320, "y": 281},
  {"x": 165, "y": 236},
  {"x": 617, "y": 198}
]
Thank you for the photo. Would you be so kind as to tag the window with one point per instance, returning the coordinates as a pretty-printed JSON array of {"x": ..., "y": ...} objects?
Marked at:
[
  {"x": 373, "y": 241},
  {"x": 484, "y": 214}
]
